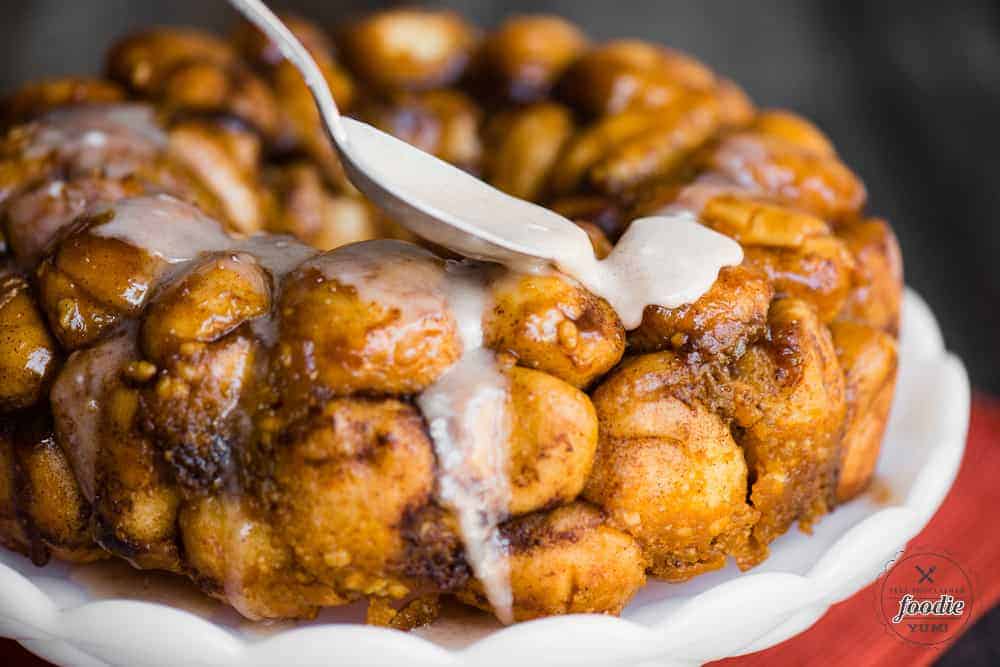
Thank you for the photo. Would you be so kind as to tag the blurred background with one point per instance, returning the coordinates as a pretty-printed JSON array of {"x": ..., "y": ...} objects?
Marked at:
[{"x": 908, "y": 91}]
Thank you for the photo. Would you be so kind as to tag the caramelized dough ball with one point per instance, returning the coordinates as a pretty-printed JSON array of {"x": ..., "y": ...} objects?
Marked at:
[
  {"x": 820, "y": 271},
  {"x": 368, "y": 317},
  {"x": 35, "y": 99},
  {"x": 604, "y": 138},
  {"x": 142, "y": 61},
  {"x": 260, "y": 51},
  {"x": 791, "y": 173},
  {"x": 51, "y": 170},
  {"x": 135, "y": 504},
  {"x": 195, "y": 410},
  {"x": 790, "y": 408},
  {"x": 659, "y": 151},
  {"x": 868, "y": 357},
  {"x": 301, "y": 127},
  {"x": 264, "y": 54},
  {"x": 97, "y": 418},
  {"x": 552, "y": 441},
  {"x": 91, "y": 281},
  {"x": 93, "y": 278},
  {"x": 567, "y": 561},
  {"x": 77, "y": 402},
  {"x": 312, "y": 213},
  {"x": 114, "y": 272},
  {"x": 552, "y": 325},
  {"x": 667, "y": 469},
  {"x": 237, "y": 556},
  {"x": 31, "y": 220},
  {"x": 18, "y": 168},
  {"x": 214, "y": 297},
  {"x": 226, "y": 161},
  {"x": 524, "y": 57},
  {"x": 444, "y": 123},
  {"x": 28, "y": 353},
  {"x": 878, "y": 281},
  {"x": 345, "y": 478},
  {"x": 53, "y": 149},
  {"x": 795, "y": 250},
  {"x": 755, "y": 223},
  {"x": 523, "y": 146},
  {"x": 730, "y": 315},
  {"x": 408, "y": 49},
  {"x": 631, "y": 74},
  {"x": 795, "y": 129},
  {"x": 622, "y": 151},
  {"x": 188, "y": 71},
  {"x": 299, "y": 121},
  {"x": 49, "y": 499},
  {"x": 735, "y": 107},
  {"x": 75, "y": 317}
]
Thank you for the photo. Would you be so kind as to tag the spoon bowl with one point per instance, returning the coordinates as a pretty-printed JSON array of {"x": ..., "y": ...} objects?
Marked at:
[{"x": 467, "y": 216}]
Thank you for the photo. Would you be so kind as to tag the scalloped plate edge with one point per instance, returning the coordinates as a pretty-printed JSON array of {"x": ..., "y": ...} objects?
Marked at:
[{"x": 784, "y": 604}]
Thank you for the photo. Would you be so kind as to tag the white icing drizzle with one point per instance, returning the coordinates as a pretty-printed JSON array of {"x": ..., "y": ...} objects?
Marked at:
[
  {"x": 658, "y": 261},
  {"x": 164, "y": 227},
  {"x": 738, "y": 154},
  {"x": 467, "y": 407},
  {"x": 394, "y": 274},
  {"x": 664, "y": 260},
  {"x": 115, "y": 139},
  {"x": 468, "y": 417},
  {"x": 178, "y": 233},
  {"x": 695, "y": 196},
  {"x": 76, "y": 398},
  {"x": 468, "y": 300},
  {"x": 279, "y": 255},
  {"x": 34, "y": 217}
]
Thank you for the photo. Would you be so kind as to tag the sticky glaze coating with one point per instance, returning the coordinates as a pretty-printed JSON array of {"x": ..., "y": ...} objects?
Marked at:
[{"x": 184, "y": 387}]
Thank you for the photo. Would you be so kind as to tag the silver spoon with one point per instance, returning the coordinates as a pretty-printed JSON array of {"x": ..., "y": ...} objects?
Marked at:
[
  {"x": 430, "y": 197},
  {"x": 659, "y": 260}
]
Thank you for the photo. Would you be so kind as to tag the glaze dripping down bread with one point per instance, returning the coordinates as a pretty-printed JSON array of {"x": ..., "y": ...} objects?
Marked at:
[{"x": 219, "y": 360}]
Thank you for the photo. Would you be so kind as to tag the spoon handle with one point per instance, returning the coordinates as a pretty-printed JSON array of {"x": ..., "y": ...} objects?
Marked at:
[{"x": 292, "y": 49}]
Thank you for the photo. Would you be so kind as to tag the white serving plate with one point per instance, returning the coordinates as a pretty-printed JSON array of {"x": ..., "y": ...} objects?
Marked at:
[{"x": 108, "y": 614}]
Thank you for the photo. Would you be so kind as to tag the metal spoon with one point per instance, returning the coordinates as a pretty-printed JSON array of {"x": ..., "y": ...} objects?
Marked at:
[{"x": 430, "y": 197}]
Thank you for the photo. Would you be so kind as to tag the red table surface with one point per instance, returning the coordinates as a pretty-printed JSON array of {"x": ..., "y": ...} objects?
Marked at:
[{"x": 851, "y": 634}]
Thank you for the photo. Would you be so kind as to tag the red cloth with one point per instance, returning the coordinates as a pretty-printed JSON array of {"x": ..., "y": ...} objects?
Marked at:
[{"x": 850, "y": 634}]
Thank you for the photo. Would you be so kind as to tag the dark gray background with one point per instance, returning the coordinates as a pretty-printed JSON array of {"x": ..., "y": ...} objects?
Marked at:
[{"x": 909, "y": 92}]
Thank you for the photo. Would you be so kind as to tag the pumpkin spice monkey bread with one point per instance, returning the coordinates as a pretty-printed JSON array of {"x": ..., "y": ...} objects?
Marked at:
[{"x": 215, "y": 353}]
